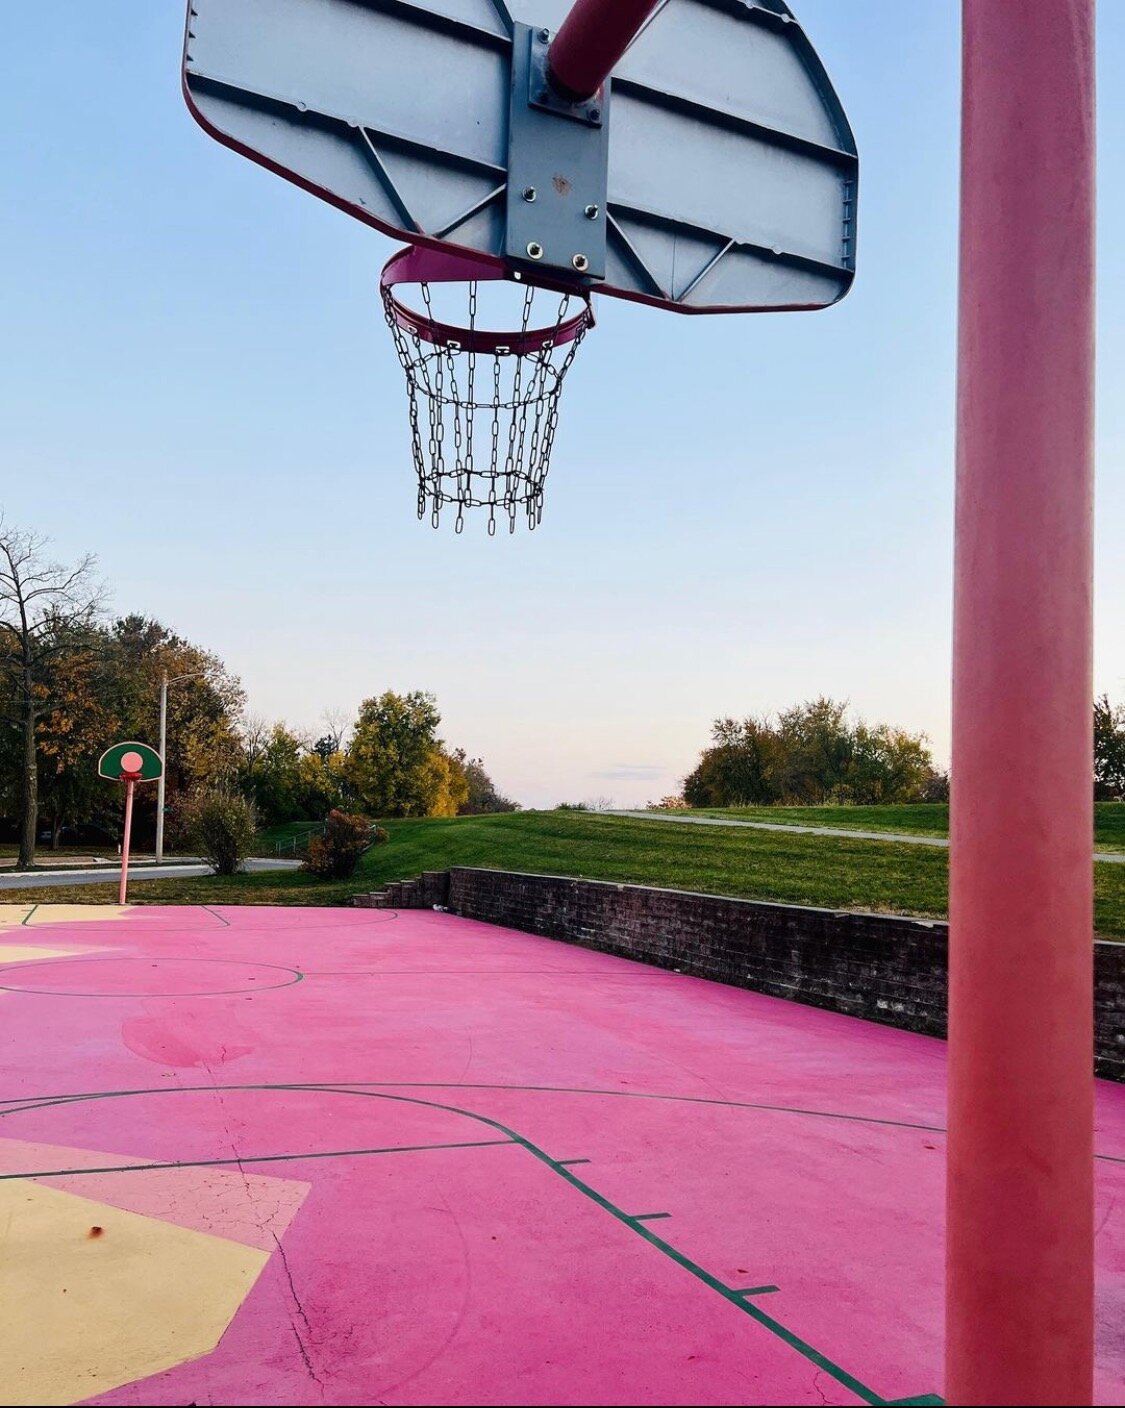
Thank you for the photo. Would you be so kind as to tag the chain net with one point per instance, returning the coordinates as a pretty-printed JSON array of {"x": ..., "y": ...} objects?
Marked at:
[{"x": 483, "y": 418}]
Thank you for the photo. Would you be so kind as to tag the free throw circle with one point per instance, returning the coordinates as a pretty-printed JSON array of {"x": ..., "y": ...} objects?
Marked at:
[{"x": 147, "y": 977}]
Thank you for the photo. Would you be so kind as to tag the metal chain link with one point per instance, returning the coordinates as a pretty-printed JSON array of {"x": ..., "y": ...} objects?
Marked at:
[{"x": 520, "y": 401}]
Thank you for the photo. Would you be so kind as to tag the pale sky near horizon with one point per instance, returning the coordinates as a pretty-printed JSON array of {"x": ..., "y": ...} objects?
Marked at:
[{"x": 742, "y": 512}]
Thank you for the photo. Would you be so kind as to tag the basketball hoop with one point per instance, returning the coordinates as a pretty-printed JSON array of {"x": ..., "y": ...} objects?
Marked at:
[
  {"x": 484, "y": 405},
  {"x": 131, "y": 765}
]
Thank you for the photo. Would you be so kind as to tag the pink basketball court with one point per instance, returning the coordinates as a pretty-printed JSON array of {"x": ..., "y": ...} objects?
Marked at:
[{"x": 350, "y": 1157}]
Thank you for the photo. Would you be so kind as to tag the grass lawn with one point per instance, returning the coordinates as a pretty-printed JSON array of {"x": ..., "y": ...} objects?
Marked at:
[
  {"x": 44, "y": 853},
  {"x": 828, "y": 871},
  {"x": 287, "y": 838},
  {"x": 916, "y": 819}
]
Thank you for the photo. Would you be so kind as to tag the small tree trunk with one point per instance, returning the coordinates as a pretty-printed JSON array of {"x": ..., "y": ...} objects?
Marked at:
[{"x": 29, "y": 790}]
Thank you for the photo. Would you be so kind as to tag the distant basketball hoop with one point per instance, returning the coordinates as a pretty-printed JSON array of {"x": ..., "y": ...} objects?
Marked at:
[
  {"x": 484, "y": 404},
  {"x": 129, "y": 763}
]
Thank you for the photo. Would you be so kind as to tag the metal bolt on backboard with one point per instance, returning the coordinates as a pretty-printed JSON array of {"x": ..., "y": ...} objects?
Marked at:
[{"x": 731, "y": 167}]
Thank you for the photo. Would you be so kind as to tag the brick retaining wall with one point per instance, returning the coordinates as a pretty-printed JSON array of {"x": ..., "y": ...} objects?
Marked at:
[{"x": 885, "y": 968}]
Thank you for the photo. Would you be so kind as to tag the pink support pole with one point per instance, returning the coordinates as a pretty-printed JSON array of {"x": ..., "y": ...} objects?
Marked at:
[
  {"x": 130, "y": 783},
  {"x": 1019, "y": 1302},
  {"x": 590, "y": 41}
]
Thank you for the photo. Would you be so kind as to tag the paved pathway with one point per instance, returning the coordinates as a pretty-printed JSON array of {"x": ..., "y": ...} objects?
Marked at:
[
  {"x": 903, "y": 837},
  {"x": 98, "y": 875}
]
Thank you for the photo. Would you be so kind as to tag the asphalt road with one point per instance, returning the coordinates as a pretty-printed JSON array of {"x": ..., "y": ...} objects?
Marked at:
[{"x": 98, "y": 875}]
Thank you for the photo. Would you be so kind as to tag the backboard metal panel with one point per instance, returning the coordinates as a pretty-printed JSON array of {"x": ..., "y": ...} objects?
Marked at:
[{"x": 731, "y": 166}]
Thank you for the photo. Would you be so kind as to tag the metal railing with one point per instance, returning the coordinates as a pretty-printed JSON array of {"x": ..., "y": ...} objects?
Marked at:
[{"x": 298, "y": 844}]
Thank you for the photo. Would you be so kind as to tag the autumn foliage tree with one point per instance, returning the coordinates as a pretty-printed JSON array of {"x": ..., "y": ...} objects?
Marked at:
[
  {"x": 396, "y": 762},
  {"x": 288, "y": 778},
  {"x": 72, "y": 732},
  {"x": 483, "y": 796},
  {"x": 1109, "y": 750},
  {"x": 91, "y": 685},
  {"x": 812, "y": 753},
  {"x": 203, "y": 745}
]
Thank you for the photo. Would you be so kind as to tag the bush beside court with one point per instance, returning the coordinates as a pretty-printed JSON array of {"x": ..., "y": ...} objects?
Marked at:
[
  {"x": 335, "y": 854},
  {"x": 220, "y": 826}
]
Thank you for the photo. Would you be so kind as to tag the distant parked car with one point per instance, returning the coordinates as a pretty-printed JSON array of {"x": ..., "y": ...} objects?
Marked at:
[{"x": 87, "y": 833}]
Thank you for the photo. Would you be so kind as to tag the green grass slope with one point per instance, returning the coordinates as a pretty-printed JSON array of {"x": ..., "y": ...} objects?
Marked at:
[
  {"x": 828, "y": 871},
  {"x": 915, "y": 819}
]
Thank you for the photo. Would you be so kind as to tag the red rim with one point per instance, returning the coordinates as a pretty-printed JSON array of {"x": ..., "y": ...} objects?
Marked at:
[{"x": 418, "y": 265}]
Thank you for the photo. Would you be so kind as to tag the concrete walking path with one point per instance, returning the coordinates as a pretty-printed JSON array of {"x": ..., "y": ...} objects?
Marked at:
[
  {"x": 109, "y": 870},
  {"x": 903, "y": 837}
]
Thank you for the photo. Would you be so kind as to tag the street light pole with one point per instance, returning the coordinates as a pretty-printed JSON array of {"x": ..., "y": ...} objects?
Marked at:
[
  {"x": 163, "y": 770},
  {"x": 164, "y": 683}
]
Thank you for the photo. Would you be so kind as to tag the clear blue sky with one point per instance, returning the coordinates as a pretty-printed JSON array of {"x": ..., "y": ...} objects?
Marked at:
[{"x": 743, "y": 512}]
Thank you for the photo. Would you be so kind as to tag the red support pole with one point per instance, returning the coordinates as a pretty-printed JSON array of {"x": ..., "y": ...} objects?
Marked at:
[
  {"x": 590, "y": 41},
  {"x": 130, "y": 783},
  {"x": 1019, "y": 1301}
]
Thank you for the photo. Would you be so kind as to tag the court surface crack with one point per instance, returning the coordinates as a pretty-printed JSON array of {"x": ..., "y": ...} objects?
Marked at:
[
  {"x": 302, "y": 1348},
  {"x": 300, "y": 1311}
]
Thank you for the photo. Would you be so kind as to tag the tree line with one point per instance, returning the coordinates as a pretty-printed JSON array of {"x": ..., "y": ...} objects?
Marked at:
[
  {"x": 811, "y": 754},
  {"x": 73, "y": 681},
  {"x": 815, "y": 753},
  {"x": 390, "y": 761}
]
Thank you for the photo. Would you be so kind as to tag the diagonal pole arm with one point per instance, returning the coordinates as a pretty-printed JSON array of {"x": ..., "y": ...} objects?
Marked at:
[{"x": 590, "y": 41}]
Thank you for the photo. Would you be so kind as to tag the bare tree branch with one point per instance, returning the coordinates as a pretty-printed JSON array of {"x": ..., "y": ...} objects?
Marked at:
[
  {"x": 43, "y": 604},
  {"x": 338, "y": 725}
]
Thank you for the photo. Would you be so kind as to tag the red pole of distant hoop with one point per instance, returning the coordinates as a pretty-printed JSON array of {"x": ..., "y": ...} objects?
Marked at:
[
  {"x": 1020, "y": 1192},
  {"x": 130, "y": 783},
  {"x": 590, "y": 41}
]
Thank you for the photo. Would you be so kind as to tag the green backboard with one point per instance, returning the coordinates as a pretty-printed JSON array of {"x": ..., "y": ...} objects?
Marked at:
[{"x": 137, "y": 760}]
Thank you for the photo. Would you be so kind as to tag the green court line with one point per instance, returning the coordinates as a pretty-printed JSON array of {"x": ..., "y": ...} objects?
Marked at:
[
  {"x": 584, "y": 1090},
  {"x": 32, "y": 1102},
  {"x": 646, "y": 1095},
  {"x": 732, "y": 1297},
  {"x": 254, "y": 1159}
]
